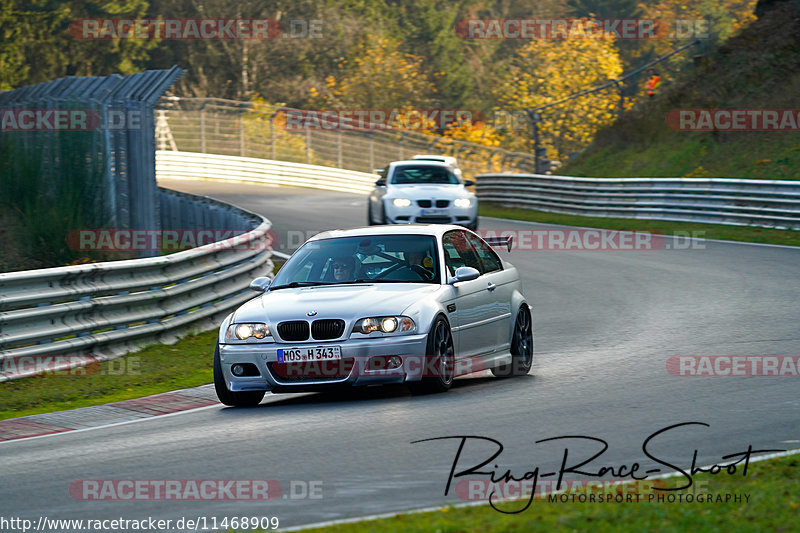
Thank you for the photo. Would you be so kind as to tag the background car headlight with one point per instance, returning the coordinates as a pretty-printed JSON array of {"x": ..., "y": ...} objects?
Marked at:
[
  {"x": 462, "y": 202},
  {"x": 385, "y": 324},
  {"x": 401, "y": 202},
  {"x": 244, "y": 331}
]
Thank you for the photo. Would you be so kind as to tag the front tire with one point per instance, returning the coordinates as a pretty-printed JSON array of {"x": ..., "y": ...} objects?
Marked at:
[
  {"x": 439, "y": 361},
  {"x": 233, "y": 399},
  {"x": 521, "y": 347}
]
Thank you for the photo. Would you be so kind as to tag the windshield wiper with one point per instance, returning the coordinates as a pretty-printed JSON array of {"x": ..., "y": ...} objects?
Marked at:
[{"x": 296, "y": 284}]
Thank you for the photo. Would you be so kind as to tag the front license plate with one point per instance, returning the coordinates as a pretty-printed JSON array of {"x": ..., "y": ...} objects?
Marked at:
[
  {"x": 315, "y": 353},
  {"x": 424, "y": 212}
]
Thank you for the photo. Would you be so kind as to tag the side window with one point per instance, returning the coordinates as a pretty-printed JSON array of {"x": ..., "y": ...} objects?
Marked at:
[
  {"x": 491, "y": 262},
  {"x": 459, "y": 252}
]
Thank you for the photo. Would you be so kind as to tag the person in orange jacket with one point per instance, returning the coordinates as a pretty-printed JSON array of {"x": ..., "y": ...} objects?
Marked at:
[{"x": 653, "y": 84}]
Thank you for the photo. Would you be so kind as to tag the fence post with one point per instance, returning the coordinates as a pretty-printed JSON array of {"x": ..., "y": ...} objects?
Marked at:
[
  {"x": 308, "y": 146},
  {"x": 241, "y": 136},
  {"x": 272, "y": 137},
  {"x": 371, "y": 136},
  {"x": 339, "y": 149},
  {"x": 203, "y": 131}
]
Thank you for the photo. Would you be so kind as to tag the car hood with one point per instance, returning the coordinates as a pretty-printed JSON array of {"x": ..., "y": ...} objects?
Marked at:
[
  {"x": 334, "y": 301},
  {"x": 424, "y": 192}
]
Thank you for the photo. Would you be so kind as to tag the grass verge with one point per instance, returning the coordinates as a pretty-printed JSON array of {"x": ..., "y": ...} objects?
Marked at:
[
  {"x": 773, "y": 487},
  {"x": 705, "y": 231},
  {"x": 155, "y": 369}
]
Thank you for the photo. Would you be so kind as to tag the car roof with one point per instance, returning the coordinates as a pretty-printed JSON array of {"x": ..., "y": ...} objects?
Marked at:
[
  {"x": 421, "y": 162},
  {"x": 434, "y": 230},
  {"x": 446, "y": 158}
]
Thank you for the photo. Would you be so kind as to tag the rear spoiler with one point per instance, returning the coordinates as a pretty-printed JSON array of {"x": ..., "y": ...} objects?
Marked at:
[{"x": 502, "y": 241}]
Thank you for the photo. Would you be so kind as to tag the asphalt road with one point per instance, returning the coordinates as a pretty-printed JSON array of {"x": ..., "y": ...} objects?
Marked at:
[{"x": 605, "y": 324}]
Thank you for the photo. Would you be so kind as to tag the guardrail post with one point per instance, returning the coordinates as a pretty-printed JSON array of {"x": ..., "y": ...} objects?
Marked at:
[{"x": 308, "y": 146}]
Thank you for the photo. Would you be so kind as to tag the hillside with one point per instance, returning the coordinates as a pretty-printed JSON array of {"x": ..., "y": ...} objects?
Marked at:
[{"x": 757, "y": 69}]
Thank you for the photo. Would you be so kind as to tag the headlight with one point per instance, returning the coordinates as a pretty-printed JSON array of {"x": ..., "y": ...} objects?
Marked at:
[
  {"x": 401, "y": 202},
  {"x": 385, "y": 324},
  {"x": 245, "y": 331},
  {"x": 462, "y": 202}
]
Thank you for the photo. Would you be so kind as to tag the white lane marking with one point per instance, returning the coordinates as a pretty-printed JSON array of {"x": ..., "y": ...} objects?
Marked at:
[
  {"x": 474, "y": 504},
  {"x": 645, "y": 231},
  {"x": 71, "y": 431}
]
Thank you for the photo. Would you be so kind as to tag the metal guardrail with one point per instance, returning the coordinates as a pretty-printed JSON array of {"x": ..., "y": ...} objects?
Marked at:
[
  {"x": 107, "y": 309},
  {"x": 764, "y": 203},
  {"x": 194, "y": 165}
]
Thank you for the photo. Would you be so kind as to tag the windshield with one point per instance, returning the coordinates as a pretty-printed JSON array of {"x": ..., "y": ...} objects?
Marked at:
[
  {"x": 423, "y": 175},
  {"x": 372, "y": 259}
]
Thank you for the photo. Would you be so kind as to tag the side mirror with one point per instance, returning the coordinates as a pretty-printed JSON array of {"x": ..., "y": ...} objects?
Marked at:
[
  {"x": 469, "y": 183},
  {"x": 260, "y": 284},
  {"x": 381, "y": 182},
  {"x": 464, "y": 274}
]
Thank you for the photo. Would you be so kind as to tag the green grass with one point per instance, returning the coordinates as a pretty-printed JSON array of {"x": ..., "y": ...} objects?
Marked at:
[
  {"x": 773, "y": 156},
  {"x": 155, "y": 369},
  {"x": 773, "y": 487},
  {"x": 759, "y": 68},
  {"x": 705, "y": 231}
]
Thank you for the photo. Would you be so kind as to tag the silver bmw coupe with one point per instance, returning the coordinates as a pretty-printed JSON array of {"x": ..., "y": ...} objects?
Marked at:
[{"x": 415, "y": 304}]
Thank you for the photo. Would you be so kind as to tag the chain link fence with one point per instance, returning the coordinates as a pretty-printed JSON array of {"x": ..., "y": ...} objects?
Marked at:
[{"x": 249, "y": 129}]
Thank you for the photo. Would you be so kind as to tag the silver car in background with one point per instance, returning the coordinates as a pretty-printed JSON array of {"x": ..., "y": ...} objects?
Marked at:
[
  {"x": 422, "y": 192},
  {"x": 418, "y": 304}
]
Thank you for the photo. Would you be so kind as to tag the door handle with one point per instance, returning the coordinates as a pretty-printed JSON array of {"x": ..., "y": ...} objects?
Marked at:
[{"x": 491, "y": 286}]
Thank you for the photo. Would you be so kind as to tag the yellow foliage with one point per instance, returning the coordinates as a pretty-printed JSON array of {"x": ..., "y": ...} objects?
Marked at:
[
  {"x": 379, "y": 77},
  {"x": 548, "y": 71},
  {"x": 478, "y": 133},
  {"x": 263, "y": 126}
]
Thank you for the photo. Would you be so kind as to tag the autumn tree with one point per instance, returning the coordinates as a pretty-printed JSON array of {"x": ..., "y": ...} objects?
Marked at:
[
  {"x": 379, "y": 76},
  {"x": 544, "y": 72},
  {"x": 36, "y": 43}
]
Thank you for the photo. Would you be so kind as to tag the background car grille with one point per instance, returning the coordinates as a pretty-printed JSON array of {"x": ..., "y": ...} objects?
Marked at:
[
  {"x": 442, "y": 203},
  {"x": 295, "y": 330},
  {"x": 433, "y": 220},
  {"x": 327, "y": 329},
  {"x": 424, "y": 203}
]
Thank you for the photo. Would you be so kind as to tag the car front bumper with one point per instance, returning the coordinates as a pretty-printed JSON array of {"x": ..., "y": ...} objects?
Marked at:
[
  {"x": 356, "y": 368},
  {"x": 466, "y": 216}
]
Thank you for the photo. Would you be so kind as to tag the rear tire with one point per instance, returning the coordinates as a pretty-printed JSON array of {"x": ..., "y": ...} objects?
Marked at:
[
  {"x": 440, "y": 353},
  {"x": 234, "y": 399},
  {"x": 521, "y": 347}
]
